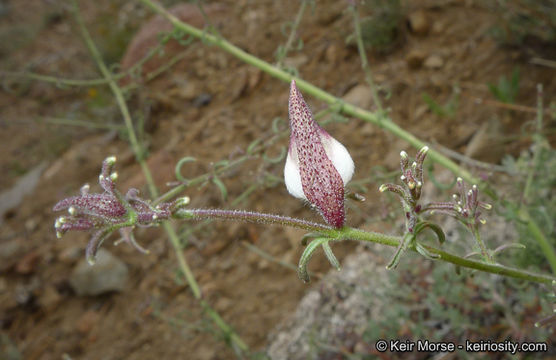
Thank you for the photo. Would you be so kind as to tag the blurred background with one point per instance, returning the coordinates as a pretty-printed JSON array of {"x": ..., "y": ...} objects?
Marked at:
[{"x": 460, "y": 75}]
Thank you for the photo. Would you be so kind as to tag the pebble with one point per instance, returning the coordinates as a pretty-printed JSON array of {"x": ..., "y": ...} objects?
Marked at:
[
  {"x": 87, "y": 321},
  {"x": 360, "y": 96},
  {"x": 28, "y": 263},
  {"x": 49, "y": 298},
  {"x": 418, "y": 22},
  {"x": 434, "y": 62},
  {"x": 108, "y": 274},
  {"x": 415, "y": 58},
  {"x": 9, "y": 252}
]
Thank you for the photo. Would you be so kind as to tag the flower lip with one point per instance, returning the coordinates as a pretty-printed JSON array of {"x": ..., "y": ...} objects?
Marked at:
[{"x": 317, "y": 166}]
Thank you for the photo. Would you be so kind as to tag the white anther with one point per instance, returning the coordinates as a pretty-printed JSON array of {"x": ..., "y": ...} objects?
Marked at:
[
  {"x": 114, "y": 176},
  {"x": 72, "y": 210}
]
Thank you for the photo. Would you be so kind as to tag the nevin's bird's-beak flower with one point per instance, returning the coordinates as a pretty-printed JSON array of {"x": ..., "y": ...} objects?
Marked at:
[{"x": 317, "y": 166}]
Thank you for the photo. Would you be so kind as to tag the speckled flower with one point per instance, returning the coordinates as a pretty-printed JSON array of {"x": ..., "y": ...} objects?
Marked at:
[{"x": 317, "y": 166}]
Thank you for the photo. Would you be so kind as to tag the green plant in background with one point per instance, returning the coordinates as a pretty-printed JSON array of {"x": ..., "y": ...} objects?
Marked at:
[
  {"x": 540, "y": 200},
  {"x": 448, "y": 109},
  {"x": 381, "y": 30},
  {"x": 507, "y": 89},
  {"x": 446, "y": 307},
  {"x": 524, "y": 22}
]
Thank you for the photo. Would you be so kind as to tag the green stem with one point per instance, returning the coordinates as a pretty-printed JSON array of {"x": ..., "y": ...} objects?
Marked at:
[
  {"x": 347, "y": 233},
  {"x": 347, "y": 109},
  {"x": 250, "y": 216},
  {"x": 293, "y": 32},
  {"x": 355, "y": 234},
  {"x": 484, "y": 251},
  {"x": 236, "y": 340},
  {"x": 363, "y": 56}
]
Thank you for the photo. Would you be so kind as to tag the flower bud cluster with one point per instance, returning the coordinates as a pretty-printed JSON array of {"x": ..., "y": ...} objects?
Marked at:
[{"x": 109, "y": 211}]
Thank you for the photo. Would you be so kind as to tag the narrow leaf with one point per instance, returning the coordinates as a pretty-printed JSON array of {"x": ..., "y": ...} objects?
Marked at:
[
  {"x": 330, "y": 256},
  {"x": 306, "y": 256},
  {"x": 423, "y": 251},
  {"x": 220, "y": 185}
]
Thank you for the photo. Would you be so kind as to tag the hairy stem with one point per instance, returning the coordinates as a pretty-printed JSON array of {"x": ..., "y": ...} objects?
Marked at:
[
  {"x": 250, "y": 216},
  {"x": 484, "y": 251},
  {"x": 347, "y": 233},
  {"x": 355, "y": 234}
]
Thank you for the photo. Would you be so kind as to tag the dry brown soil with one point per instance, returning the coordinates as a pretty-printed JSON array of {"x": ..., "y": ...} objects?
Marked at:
[{"x": 157, "y": 316}]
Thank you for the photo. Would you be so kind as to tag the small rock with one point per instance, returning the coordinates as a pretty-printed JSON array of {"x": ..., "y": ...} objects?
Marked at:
[
  {"x": 28, "y": 263},
  {"x": 71, "y": 254},
  {"x": 332, "y": 54},
  {"x": 434, "y": 62},
  {"x": 360, "y": 96},
  {"x": 418, "y": 22},
  {"x": 13, "y": 197},
  {"x": 49, "y": 298},
  {"x": 87, "y": 321},
  {"x": 415, "y": 58},
  {"x": 223, "y": 304},
  {"x": 108, "y": 274},
  {"x": 9, "y": 252},
  {"x": 202, "y": 100}
]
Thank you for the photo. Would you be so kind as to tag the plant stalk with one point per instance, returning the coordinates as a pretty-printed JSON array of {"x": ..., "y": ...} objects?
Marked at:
[{"x": 347, "y": 233}]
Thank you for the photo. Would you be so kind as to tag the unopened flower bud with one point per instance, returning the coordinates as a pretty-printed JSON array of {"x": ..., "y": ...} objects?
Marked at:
[{"x": 317, "y": 166}]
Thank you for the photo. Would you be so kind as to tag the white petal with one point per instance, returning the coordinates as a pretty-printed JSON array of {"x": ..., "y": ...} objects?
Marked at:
[
  {"x": 338, "y": 154},
  {"x": 292, "y": 176}
]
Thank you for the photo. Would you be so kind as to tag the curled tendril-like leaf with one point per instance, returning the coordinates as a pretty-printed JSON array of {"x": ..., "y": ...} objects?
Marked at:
[
  {"x": 252, "y": 146},
  {"x": 220, "y": 185},
  {"x": 426, "y": 253},
  {"x": 434, "y": 227},
  {"x": 501, "y": 248},
  {"x": 276, "y": 125},
  {"x": 220, "y": 164},
  {"x": 330, "y": 256},
  {"x": 276, "y": 159},
  {"x": 179, "y": 165},
  {"x": 402, "y": 247},
  {"x": 305, "y": 239},
  {"x": 306, "y": 256}
]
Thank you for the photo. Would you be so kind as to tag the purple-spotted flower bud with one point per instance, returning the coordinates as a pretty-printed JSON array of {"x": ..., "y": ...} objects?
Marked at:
[{"x": 317, "y": 166}]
